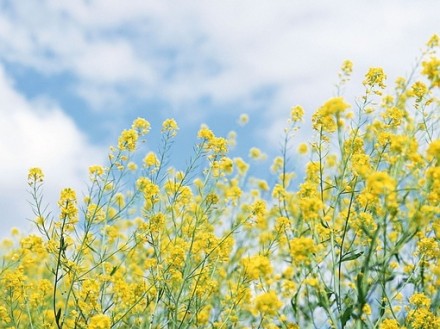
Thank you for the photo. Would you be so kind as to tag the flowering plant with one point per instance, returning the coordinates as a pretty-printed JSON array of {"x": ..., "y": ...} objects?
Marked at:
[{"x": 354, "y": 245}]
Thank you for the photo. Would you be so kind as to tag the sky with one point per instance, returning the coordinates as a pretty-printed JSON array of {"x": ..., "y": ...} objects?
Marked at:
[{"x": 73, "y": 74}]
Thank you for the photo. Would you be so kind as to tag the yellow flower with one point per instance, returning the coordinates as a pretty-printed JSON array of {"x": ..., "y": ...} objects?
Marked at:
[
  {"x": 347, "y": 67},
  {"x": 433, "y": 180},
  {"x": 67, "y": 204},
  {"x": 296, "y": 113},
  {"x": 157, "y": 222},
  {"x": 311, "y": 281},
  {"x": 375, "y": 77},
  {"x": 243, "y": 119},
  {"x": 151, "y": 160},
  {"x": 33, "y": 243},
  {"x": 120, "y": 200},
  {"x": 302, "y": 148},
  {"x": 170, "y": 126},
  {"x": 389, "y": 324},
  {"x": 277, "y": 164},
  {"x": 361, "y": 164},
  {"x": 3, "y": 312},
  {"x": 257, "y": 266},
  {"x": 268, "y": 303},
  {"x": 96, "y": 170},
  {"x": 233, "y": 192},
  {"x": 420, "y": 300},
  {"x": 279, "y": 192},
  {"x": 364, "y": 221},
  {"x": 218, "y": 145},
  {"x": 95, "y": 213},
  {"x": 380, "y": 183},
  {"x": 35, "y": 175},
  {"x": 128, "y": 139},
  {"x": 428, "y": 247},
  {"x": 141, "y": 125},
  {"x": 176, "y": 252},
  {"x": 132, "y": 166},
  {"x": 419, "y": 89},
  {"x": 259, "y": 208},
  {"x": 99, "y": 321},
  {"x": 331, "y": 160},
  {"x": 262, "y": 185},
  {"x": 434, "y": 150},
  {"x": 282, "y": 223},
  {"x": 256, "y": 154},
  {"x": 434, "y": 41},
  {"x": 394, "y": 115},
  {"x": 146, "y": 186},
  {"x": 111, "y": 232},
  {"x": 327, "y": 118},
  {"x": 431, "y": 69},
  {"x": 400, "y": 83},
  {"x": 302, "y": 250},
  {"x": 241, "y": 165},
  {"x": 422, "y": 318},
  {"x": 226, "y": 165},
  {"x": 232, "y": 139},
  {"x": 203, "y": 315},
  {"x": 366, "y": 309},
  {"x": 205, "y": 133}
]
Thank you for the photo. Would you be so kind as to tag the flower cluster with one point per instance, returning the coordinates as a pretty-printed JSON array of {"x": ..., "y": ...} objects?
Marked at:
[{"x": 355, "y": 244}]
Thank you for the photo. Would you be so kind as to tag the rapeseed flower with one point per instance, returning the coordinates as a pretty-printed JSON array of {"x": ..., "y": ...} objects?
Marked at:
[
  {"x": 151, "y": 160},
  {"x": 389, "y": 324},
  {"x": 268, "y": 303},
  {"x": 302, "y": 250},
  {"x": 243, "y": 119},
  {"x": 170, "y": 126},
  {"x": 35, "y": 175},
  {"x": 141, "y": 125},
  {"x": 353, "y": 244},
  {"x": 328, "y": 115},
  {"x": 296, "y": 113},
  {"x": 99, "y": 321},
  {"x": 431, "y": 69},
  {"x": 128, "y": 139},
  {"x": 375, "y": 77}
]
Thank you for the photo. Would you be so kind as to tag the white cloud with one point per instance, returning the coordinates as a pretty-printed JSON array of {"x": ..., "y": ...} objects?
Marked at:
[
  {"x": 224, "y": 50},
  {"x": 37, "y": 134},
  {"x": 111, "y": 62}
]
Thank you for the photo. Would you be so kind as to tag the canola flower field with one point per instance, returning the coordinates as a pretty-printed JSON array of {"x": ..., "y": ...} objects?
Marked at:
[{"x": 354, "y": 245}]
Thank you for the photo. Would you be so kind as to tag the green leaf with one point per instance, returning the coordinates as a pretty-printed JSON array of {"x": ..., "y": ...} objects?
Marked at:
[
  {"x": 114, "y": 269},
  {"x": 347, "y": 315},
  {"x": 351, "y": 255},
  {"x": 58, "y": 316},
  {"x": 293, "y": 303}
]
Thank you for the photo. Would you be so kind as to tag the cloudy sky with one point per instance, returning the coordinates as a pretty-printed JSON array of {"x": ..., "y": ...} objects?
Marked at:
[{"x": 73, "y": 74}]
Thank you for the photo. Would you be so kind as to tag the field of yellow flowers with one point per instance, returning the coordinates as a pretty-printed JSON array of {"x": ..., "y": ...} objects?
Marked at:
[{"x": 355, "y": 245}]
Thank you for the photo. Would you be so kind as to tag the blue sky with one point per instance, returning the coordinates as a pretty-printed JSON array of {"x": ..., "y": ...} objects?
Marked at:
[{"x": 73, "y": 74}]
